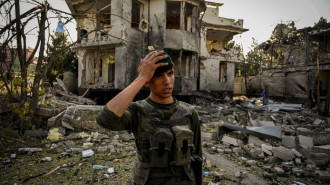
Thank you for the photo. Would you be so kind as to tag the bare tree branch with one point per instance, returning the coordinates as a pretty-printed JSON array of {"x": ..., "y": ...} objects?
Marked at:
[{"x": 8, "y": 26}]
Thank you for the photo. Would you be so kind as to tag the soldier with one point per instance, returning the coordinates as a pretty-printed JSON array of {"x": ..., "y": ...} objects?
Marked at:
[{"x": 167, "y": 131}]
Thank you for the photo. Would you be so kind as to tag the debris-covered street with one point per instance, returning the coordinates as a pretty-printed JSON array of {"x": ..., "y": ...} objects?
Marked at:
[{"x": 243, "y": 142}]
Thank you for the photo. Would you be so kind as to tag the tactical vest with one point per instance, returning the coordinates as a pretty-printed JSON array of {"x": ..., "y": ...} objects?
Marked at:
[{"x": 163, "y": 143}]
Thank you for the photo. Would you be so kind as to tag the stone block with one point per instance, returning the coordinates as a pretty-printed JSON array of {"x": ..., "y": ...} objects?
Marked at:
[
  {"x": 237, "y": 150},
  {"x": 283, "y": 153},
  {"x": 267, "y": 149},
  {"x": 297, "y": 161},
  {"x": 289, "y": 141},
  {"x": 241, "y": 174},
  {"x": 305, "y": 151},
  {"x": 322, "y": 149},
  {"x": 306, "y": 141},
  {"x": 304, "y": 131},
  {"x": 242, "y": 159},
  {"x": 319, "y": 158},
  {"x": 251, "y": 162},
  {"x": 317, "y": 122},
  {"x": 228, "y": 151},
  {"x": 321, "y": 138},
  {"x": 323, "y": 175},
  {"x": 278, "y": 170},
  {"x": 256, "y": 153},
  {"x": 255, "y": 140},
  {"x": 266, "y": 123},
  {"x": 231, "y": 141},
  {"x": 288, "y": 130},
  {"x": 297, "y": 171},
  {"x": 296, "y": 153}
]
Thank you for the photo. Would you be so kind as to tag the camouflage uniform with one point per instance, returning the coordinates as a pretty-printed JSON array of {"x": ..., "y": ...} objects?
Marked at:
[{"x": 166, "y": 136}]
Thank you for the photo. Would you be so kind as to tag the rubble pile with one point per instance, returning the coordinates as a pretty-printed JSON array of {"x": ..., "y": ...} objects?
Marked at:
[
  {"x": 79, "y": 158},
  {"x": 289, "y": 141},
  {"x": 243, "y": 142}
]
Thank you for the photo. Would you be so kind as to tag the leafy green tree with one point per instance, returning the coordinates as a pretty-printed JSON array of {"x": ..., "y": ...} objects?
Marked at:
[
  {"x": 251, "y": 64},
  {"x": 66, "y": 61}
]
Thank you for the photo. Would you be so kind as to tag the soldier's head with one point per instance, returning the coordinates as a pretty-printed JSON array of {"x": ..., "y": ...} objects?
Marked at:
[{"x": 162, "y": 83}]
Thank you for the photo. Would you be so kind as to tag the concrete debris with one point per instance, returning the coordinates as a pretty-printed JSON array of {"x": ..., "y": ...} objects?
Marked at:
[
  {"x": 288, "y": 130},
  {"x": 321, "y": 138},
  {"x": 320, "y": 159},
  {"x": 297, "y": 171},
  {"x": 317, "y": 122},
  {"x": 62, "y": 85},
  {"x": 273, "y": 107},
  {"x": 270, "y": 131},
  {"x": 267, "y": 149},
  {"x": 322, "y": 149},
  {"x": 254, "y": 151},
  {"x": 251, "y": 162},
  {"x": 278, "y": 170},
  {"x": 241, "y": 174},
  {"x": 283, "y": 153},
  {"x": 231, "y": 141},
  {"x": 266, "y": 123},
  {"x": 323, "y": 175},
  {"x": 289, "y": 141},
  {"x": 30, "y": 150},
  {"x": 296, "y": 153},
  {"x": 304, "y": 131},
  {"x": 306, "y": 141},
  {"x": 255, "y": 140},
  {"x": 297, "y": 161},
  {"x": 78, "y": 116}
]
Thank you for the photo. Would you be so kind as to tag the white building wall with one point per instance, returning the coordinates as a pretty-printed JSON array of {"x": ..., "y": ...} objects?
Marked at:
[{"x": 209, "y": 76}]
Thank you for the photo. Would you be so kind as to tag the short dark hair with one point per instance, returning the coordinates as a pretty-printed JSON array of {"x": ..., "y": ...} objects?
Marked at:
[{"x": 163, "y": 69}]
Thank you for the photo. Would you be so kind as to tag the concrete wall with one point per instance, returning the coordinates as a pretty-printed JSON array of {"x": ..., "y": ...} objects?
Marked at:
[
  {"x": 292, "y": 82},
  {"x": 209, "y": 76}
]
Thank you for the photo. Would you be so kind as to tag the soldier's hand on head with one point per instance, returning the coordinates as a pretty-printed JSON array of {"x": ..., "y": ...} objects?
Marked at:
[{"x": 148, "y": 66}]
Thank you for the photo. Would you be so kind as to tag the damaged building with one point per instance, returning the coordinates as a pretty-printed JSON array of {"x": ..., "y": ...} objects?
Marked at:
[
  {"x": 114, "y": 35},
  {"x": 294, "y": 62},
  {"x": 217, "y": 61}
]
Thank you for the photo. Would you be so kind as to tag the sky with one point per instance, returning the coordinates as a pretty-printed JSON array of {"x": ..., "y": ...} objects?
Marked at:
[{"x": 260, "y": 17}]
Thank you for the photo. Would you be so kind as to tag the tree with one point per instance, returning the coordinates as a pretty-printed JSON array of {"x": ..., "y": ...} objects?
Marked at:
[
  {"x": 66, "y": 61},
  {"x": 14, "y": 45},
  {"x": 251, "y": 64}
]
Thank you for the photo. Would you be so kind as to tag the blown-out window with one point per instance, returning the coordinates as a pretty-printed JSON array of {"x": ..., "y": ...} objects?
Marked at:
[
  {"x": 188, "y": 17},
  {"x": 136, "y": 13},
  {"x": 103, "y": 14},
  {"x": 173, "y": 15},
  {"x": 223, "y": 72}
]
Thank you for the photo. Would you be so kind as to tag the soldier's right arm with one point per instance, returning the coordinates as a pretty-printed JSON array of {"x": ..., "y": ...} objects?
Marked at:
[{"x": 146, "y": 70}]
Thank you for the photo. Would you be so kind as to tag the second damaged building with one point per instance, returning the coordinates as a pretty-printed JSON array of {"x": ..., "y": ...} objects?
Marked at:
[
  {"x": 295, "y": 63},
  {"x": 114, "y": 35}
]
